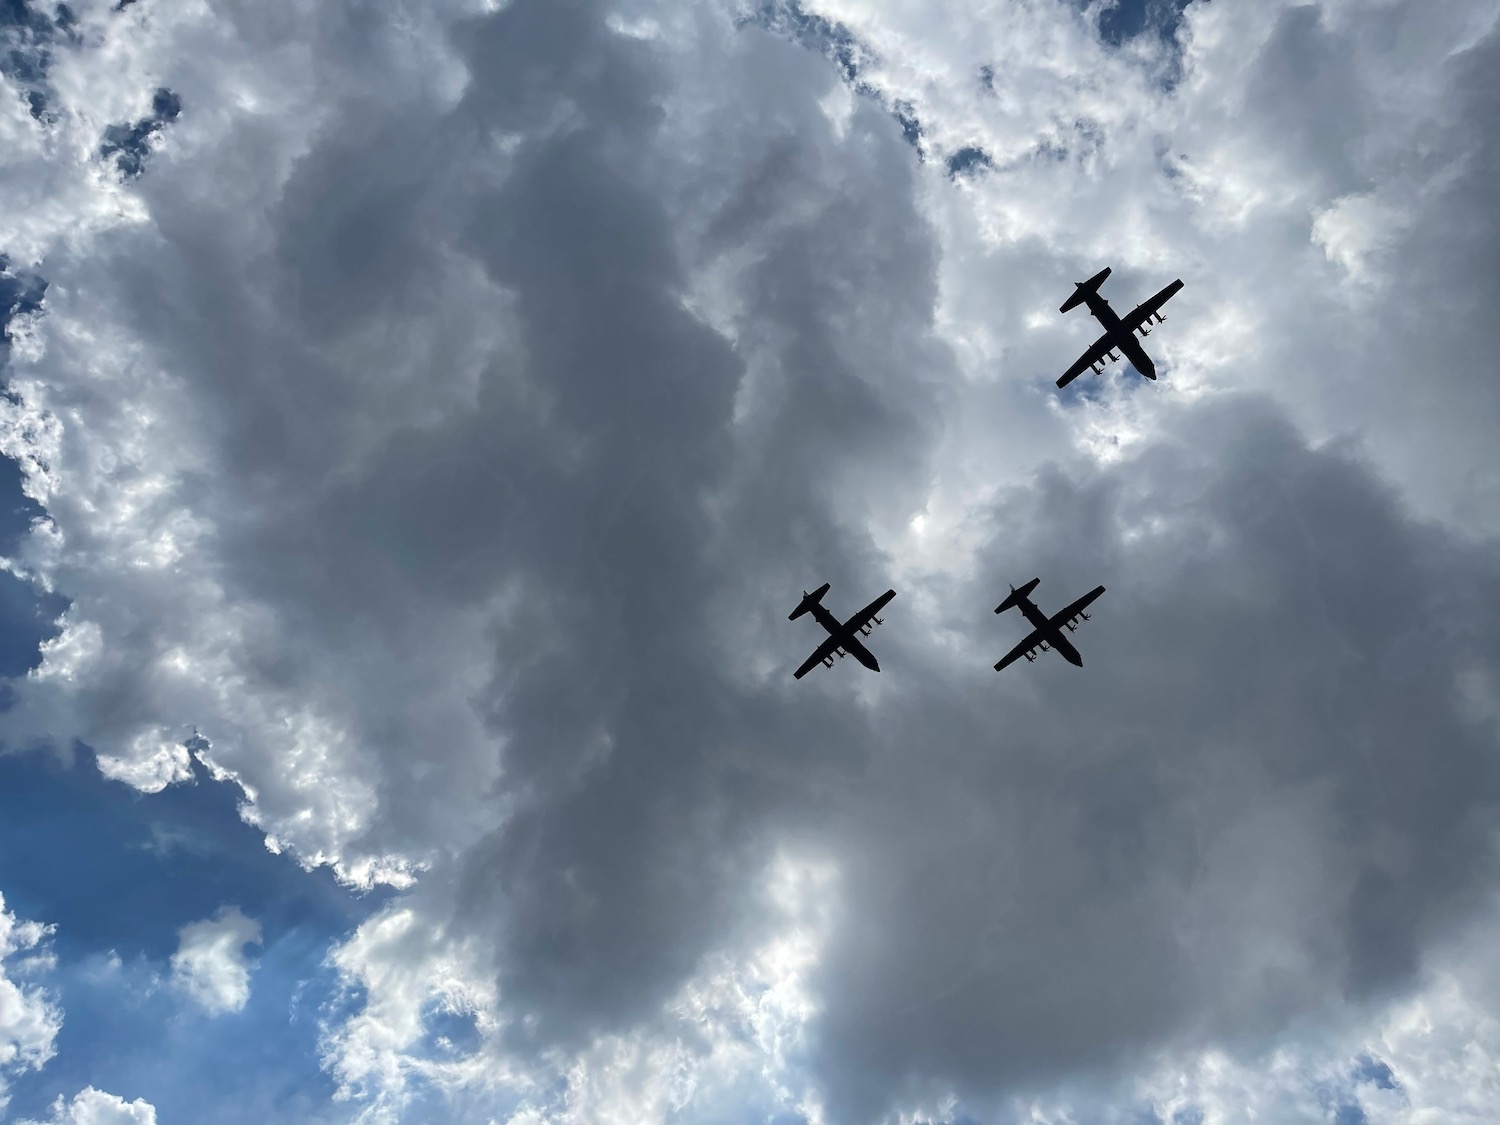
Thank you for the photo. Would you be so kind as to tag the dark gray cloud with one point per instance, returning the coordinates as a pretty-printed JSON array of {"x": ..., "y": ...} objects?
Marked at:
[
  {"x": 497, "y": 424},
  {"x": 1264, "y": 791},
  {"x": 1400, "y": 207},
  {"x": 635, "y": 520},
  {"x": 1040, "y": 875}
]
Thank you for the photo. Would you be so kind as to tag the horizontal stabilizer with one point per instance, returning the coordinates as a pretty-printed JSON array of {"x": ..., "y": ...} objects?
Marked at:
[
  {"x": 1015, "y": 597},
  {"x": 1083, "y": 288},
  {"x": 808, "y": 601}
]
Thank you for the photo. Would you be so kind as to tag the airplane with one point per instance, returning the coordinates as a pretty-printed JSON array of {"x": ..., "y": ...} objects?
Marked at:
[
  {"x": 843, "y": 638},
  {"x": 1119, "y": 331},
  {"x": 1048, "y": 631}
]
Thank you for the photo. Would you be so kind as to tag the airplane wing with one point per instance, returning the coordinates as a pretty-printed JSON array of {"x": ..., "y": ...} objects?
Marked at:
[
  {"x": 1021, "y": 649},
  {"x": 824, "y": 651},
  {"x": 862, "y": 618},
  {"x": 1097, "y": 351},
  {"x": 1142, "y": 312},
  {"x": 1077, "y": 607}
]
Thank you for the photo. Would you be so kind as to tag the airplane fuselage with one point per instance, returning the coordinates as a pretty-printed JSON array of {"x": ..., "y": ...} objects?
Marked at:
[
  {"x": 1051, "y": 632},
  {"x": 848, "y": 636},
  {"x": 1120, "y": 337}
]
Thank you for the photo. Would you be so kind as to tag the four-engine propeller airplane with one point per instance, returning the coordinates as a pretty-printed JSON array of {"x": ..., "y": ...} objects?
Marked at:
[
  {"x": 1047, "y": 631},
  {"x": 1119, "y": 331},
  {"x": 843, "y": 639}
]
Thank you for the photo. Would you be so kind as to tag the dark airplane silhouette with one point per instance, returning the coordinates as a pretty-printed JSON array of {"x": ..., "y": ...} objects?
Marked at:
[
  {"x": 1048, "y": 630},
  {"x": 1119, "y": 331},
  {"x": 843, "y": 640}
]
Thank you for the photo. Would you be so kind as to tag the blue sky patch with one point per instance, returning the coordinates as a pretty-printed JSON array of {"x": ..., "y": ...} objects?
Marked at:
[
  {"x": 839, "y": 45},
  {"x": 27, "y": 33},
  {"x": 130, "y": 145},
  {"x": 120, "y": 873},
  {"x": 968, "y": 161},
  {"x": 21, "y": 292},
  {"x": 1374, "y": 1071},
  {"x": 1129, "y": 18}
]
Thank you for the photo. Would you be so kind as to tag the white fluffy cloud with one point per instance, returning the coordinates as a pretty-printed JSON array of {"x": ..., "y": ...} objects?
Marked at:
[
  {"x": 29, "y": 1019},
  {"x": 732, "y": 1040},
  {"x": 211, "y": 965},
  {"x": 94, "y": 1107},
  {"x": 444, "y": 421}
]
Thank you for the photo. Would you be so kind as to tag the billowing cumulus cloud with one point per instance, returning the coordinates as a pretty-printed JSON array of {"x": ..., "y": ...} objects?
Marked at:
[
  {"x": 210, "y": 964},
  {"x": 445, "y": 414},
  {"x": 94, "y": 1107},
  {"x": 29, "y": 1018}
]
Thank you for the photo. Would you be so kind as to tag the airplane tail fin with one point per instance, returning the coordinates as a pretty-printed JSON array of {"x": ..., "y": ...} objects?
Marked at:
[
  {"x": 808, "y": 601},
  {"x": 1083, "y": 288},
  {"x": 1017, "y": 595}
]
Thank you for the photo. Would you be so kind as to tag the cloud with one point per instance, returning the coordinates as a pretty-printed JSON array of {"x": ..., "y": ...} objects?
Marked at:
[
  {"x": 1240, "y": 825},
  {"x": 733, "y": 1040},
  {"x": 210, "y": 963},
  {"x": 446, "y": 419},
  {"x": 94, "y": 1107},
  {"x": 29, "y": 1017}
]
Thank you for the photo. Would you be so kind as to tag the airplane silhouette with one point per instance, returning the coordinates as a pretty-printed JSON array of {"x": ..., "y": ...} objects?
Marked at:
[
  {"x": 843, "y": 638},
  {"x": 1119, "y": 331},
  {"x": 1048, "y": 631}
]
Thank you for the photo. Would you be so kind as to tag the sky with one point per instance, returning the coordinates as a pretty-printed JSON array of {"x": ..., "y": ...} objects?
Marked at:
[{"x": 420, "y": 419}]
